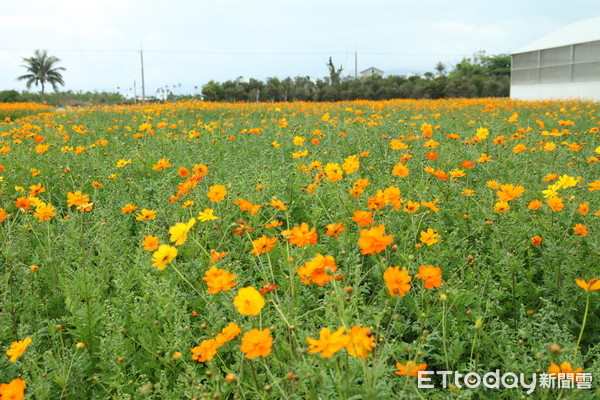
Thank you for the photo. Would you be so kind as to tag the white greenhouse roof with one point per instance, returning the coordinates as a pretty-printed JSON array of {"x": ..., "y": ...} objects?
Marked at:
[{"x": 579, "y": 32}]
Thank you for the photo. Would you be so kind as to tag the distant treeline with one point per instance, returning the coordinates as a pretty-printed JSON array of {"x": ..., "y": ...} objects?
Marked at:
[
  {"x": 61, "y": 99},
  {"x": 480, "y": 76}
]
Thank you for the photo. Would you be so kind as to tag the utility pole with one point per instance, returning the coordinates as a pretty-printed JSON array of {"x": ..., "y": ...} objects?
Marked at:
[
  {"x": 355, "y": 64},
  {"x": 134, "y": 92},
  {"x": 143, "y": 86}
]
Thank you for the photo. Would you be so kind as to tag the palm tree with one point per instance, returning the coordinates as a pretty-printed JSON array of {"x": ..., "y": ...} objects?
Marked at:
[{"x": 42, "y": 70}]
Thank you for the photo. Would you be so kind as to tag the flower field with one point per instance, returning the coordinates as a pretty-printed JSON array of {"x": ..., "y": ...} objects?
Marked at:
[{"x": 299, "y": 250}]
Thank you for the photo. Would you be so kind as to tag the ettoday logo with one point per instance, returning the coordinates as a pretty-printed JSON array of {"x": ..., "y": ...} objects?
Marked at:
[{"x": 509, "y": 380}]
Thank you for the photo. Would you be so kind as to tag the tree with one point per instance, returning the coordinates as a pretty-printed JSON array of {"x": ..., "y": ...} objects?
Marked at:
[
  {"x": 41, "y": 69},
  {"x": 334, "y": 74},
  {"x": 440, "y": 68}
]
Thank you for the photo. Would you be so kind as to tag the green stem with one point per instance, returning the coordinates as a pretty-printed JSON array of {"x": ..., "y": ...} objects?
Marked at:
[{"x": 585, "y": 314}]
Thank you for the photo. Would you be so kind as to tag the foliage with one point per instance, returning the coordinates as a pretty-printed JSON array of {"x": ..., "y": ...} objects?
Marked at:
[
  {"x": 482, "y": 76},
  {"x": 41, "y": 70}
]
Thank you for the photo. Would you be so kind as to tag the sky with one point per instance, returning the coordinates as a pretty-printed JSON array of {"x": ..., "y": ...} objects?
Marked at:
[{"x": 187, "y": 43}]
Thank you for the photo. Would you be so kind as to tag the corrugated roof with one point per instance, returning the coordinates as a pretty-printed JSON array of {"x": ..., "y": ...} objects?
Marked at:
[{"x": 579, "y": 32}]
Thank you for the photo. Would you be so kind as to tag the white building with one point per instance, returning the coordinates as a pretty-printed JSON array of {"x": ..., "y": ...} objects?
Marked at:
[
  {"x": 370, "y": 72},
  {"x": 564, "y": 64}
]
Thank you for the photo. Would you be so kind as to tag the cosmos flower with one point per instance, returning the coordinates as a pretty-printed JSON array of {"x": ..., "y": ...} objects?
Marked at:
[
  {"x": 249, "y": 301},
  {"x": 397, "y": 281},
  {"x": 257, "y": 343},
  {"x": 17, "y": 349},
  {"x": 328, "y": 343}
]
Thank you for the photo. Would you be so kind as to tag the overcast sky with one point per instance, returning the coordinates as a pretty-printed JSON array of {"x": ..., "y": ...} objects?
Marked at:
[{"x": 191, "y": 42}]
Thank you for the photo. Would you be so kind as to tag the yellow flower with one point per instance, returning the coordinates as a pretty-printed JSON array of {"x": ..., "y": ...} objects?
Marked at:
[
  {"x": 77, "y": 199},
  {"x": 429, "y": 237},
  {"x": 249, "y": 301},
  {"x": 328, "y": 343},
  {"x": 180, "y": 231},
  {"x": 145, "y": 215},
  {"x": 17, "y": 349},
  {"x": 567, "y": 181},
  {"x": 163, "y": 256},
  {"x": 123, "y": 162},
  {"x": 207, "y": 215},
  {"x": 361, "y": 342}
]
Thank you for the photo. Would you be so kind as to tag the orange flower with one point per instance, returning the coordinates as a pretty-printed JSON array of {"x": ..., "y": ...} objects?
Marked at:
[
  {"x": 411, "y": 206},
  {"x": 429, "y": 237},
  {"x": 263, "y": 245},
  {"x": 302, "y": 235},
  {"x": 161, "y": 164},
  {"x": 536, "y": 240},
  {"x": 431, "y": 275},
  {"x": 257, "y": 343},
  {"x": 183, "y": 172},
  {"x": 17, "y": 349},
  {"x": 34, "y": 190},
  {"x": 432, "y": 205},
  {"x": 592, "y": 285},
  {"x": 44, "y": 212},
  {"x": 432, "y": 155},
  {"x": 219, "y": 280},
  {"x": 216, "y": 256},
  {"x": 550, "y": 177},
  {"x": 328, "y": 343},
  {"x": 15, "y": 390},
  {"x": 363, "y": 218},
  {"x": 335, "y": 229},
  {"x": 509, "y": 192},
  {"x": 564, "y": 368},
  {"x": 249, "y": 301},
  {"x": 216, "y": 193},
  {"x": 150, "y": 242},
  {"x": 580, "y": 230},
  {"x": 535, "y": 204},
  {"x": 129, "y": 208},
  {"x": 396, "y": 280},
  {"x": 319, "y": 270},
  {"x": 361, "y": 341},
  {"x": 278, "y": 204},
  {"x": 493, "y": 185},
  {"x": 400, "y": 170},
  {"x": 23, "y": 203},
  {"x": 374, "y": 240},
  {"x": 228, "y": 333},
  {"x": 583, "y": 208},
  {"x": 206, "y": 351},
  {"x": 410, "y": 369},
  {"x": 555, "y": 203},
  {"x": 4, "y": 215}
]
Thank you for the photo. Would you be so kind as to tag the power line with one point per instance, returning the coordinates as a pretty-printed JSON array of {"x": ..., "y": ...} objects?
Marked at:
[{"x": 241, "y": 53}]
